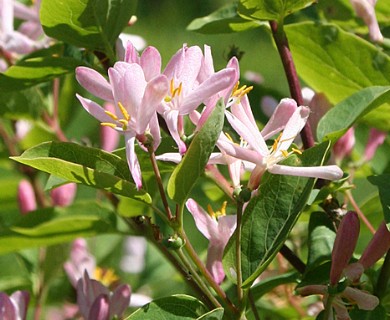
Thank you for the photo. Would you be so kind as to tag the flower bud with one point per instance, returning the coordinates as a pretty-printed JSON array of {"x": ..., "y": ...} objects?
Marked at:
[
  {"x": 63, "y": 196},
  {"x": 378, "y": 246},
  {"x": 375, "y": 139},
  {"x": 344, "y": 245},
  {"x": 344, "y": 146},
  {"x": 26, "y": 197}
]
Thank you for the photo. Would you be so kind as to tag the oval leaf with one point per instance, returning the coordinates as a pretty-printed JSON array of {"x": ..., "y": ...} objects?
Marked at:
[
  {"x": 194, "y": 161},
  {"x": 89, "y": 166},
  {"x": 269, "y": 217}
]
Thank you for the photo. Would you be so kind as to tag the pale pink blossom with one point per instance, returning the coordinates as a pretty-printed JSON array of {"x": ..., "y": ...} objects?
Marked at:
[
  {"x": 63, "y": 195},
  {"x": 375, "y": 139},
  {"x": 14, "y": 307},
  {"x": 26, "y": 197},
  {"x": 217, "y": 229},
  {"x": 344, "y": 146},
  {"x": 365, "y": 9}
]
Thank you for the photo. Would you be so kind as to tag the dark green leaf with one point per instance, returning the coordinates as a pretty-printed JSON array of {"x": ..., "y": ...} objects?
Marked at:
[
  {"x": 383, "y": 184},
  {"x": 30, "y": 72},
  {"x": 176, "y": 307},
  {"x": 92, "y": 24},
  {"x": 193, "y": 163},
  {"x": 89, "y": 166},
  {"x": 56, "y": 225},
  {"x": 270, "y": 9},
  {"x": 343, "y": 115},
  {"x": 224, "y": 20},
  {"x": 270, "y": 216}
]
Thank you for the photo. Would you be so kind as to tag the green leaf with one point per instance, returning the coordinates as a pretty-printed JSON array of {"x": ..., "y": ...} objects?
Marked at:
[
  {"x": 342, "y": 116},
  {"x": 56, "y": 225},
  {"x": 321, "y": 239},
  {"x": 91, "y": 24},
  {"x": 270, "y": 216},
  {"x": 383, "y": 183},
  {"x": 270, "y": 9},
  {"x": 194, "y": 161},
  {"x": 334, "y": 61},
  {"x": 176, "y": 307},
  {"x": 216, "y": 314},
  {"x": 224, "y": 20},
  {"x": 30, "y": 72},
  {"x": 14, "y": 272},
  {"x": 89, "y": 166}
]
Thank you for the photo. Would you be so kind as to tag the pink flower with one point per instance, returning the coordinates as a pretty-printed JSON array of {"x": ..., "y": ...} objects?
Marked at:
[
  {"x": 375, "y": 139},
  {"x": 218, "y": 230},
  {"x": 365, "y": 9},
  {"x": 63, "y": 195},
  {"x": 26, "y": 197},
  {"x": 135, "y": 108},
  {"x": 14, "y": 307},
  {"x": 344, "y": 146},
  {"x": 96, "y": 302}
]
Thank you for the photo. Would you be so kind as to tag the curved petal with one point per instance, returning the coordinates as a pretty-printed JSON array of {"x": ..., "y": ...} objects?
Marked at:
[
  {"x": 205, "y": 224},
  {"x": 100, "y": 308},
  {"x": 132, "y": 159},
  {"x": 94, "y": 82},
  {"x": 120, "y": 300},
  {"x": 214, "y": 262},
  {"x": 131, "y": 53},
  {"x": 7, "y": 308},
  {"x": 151, "y": 63},
  {"x": 190, "y": 68},
  {"x": 364, "y": 300},
  {"x": 243, "y": 112},
  {"x": 170, "y": 156},
  {"x": 94, "y": 109},
  {"x": 283, "y": 112},
  {"x": 171, "y": 119},
  {"x": 325, "y": 172}
]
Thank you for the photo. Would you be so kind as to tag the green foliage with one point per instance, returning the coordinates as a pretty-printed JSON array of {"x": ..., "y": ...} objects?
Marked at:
[
  {"x": 224, "y": 20},
  {"x": 383, "y": 184},
  {"x": 50, "y": 226},
  {"x": 342, "y": 116},
  {"x": 89, "y": 166},
  {"x": 176, "y": 307},
  {"x": 270, "y": 9},
  {"x": 270, "y": 216},
  {"x": 91, "y": 24},
  {"x": 193, "y": 163}
]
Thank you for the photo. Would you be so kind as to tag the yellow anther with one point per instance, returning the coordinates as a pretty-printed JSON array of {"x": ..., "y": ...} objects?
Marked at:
[
  {"x": 108, "y": 124},
  {"x": 276, "y": 143},
  {"x": 229, "y": 136},
  {"x": 210, "y": 211},
  {"x": 219, "y": 213},
  {"x": 284, "y": 153},
  {"x": 180, "y": 88},
  {"x": 167, "y": 99},
  {"x": 171, "y": 86},
  {"x": 235, "y": 87},
  {"x": 223, "y": 209},
  {"x": 105, "y": 276},
  {"x": 296, "y": 150},
  {"x": 124, "y": 123},
  {"x": 111, "y": 115},
  {"x": 246, "y": 91},
  {"x": 240, "y": 92},
  {"x": 124, "y": 111}
]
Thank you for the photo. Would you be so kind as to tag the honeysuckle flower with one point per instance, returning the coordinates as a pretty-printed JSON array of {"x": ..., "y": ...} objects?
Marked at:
[
  {"x": 14, "y": 307},
  {"x": 188, "y": 89},
  {"x": 135, "y": 101},
  {"x": 121, "y": 44},
  {"x": 81, "y": 261},
  {"x": 63, "y": 195},
  {"x": 96, "y": 302},
  {"x": 217, "y": 228},
  {"x": 344, "y": 245},
  {"x": 364, "y": 300},
  {"x": 287, "y": 116},
  {"x": 26, "y": 197},
  {"x": 133, "y": 257},
  {"x": 27, "y": 38},
  {"x": 365, "y": 9},
  {"x": 375, "y": 139},
  {"x": 344, "y": 146}
]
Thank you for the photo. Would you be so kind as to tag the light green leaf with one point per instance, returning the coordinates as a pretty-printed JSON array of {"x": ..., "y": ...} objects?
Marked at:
[
  {"x": 383, "y": 183},
  {"x": 176, "y": 307},
  {"x": 270, "y": 216},
  {"x": 224, "y": 20},
  {"x": 336, "y": 62},
  {"x": 50, "y": 226},
  {"x": 89, "y": 166},
  {"x": 270, "y": 9},
  {"x": 30, "y": 72},
  {"x": 342, "y": 116},
  {"x": 194, "y": 161},
  {"x": 92, "y": 24}
]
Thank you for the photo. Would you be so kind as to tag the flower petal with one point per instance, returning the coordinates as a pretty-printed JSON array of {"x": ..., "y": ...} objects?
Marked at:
[
  {"x": 205, "y": 224},
  {"x": 94, "y": 109},
  {"x": 364, "y": 300},
  {"x": 120, "y": 301},
  {"x": 132, "y": 159},
  {"x": 151, "y": 62},
  {"x": 325, "y": 172},
  {"x": 94, "y": 82}
]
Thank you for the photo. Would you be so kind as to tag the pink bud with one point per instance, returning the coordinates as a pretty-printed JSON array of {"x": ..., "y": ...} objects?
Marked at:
[
  {"x": 344, "y": 245},
  {"x": 344, "y": 146},
  {"x": 26, "y": 197},
  {"x": 100, "y": 308},
  {"x": 109, "y": 138},
  {"x": 120, "y": 300},
  {"x": 378, "y": 246},
  {"x": 375, "y": 139},
  {"x": 63, "y": 196}
]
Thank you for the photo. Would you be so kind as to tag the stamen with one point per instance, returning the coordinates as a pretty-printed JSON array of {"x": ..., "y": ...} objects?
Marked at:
[
  {"x": 223, "y": 208},
  {"x": 167, "y": 99},
  {"x": 276, "y": 143},
  {"x": 296, "y": 150},
  {"x": 124, "y": 111},
  {"x": 124, "y": 123},
  {"x": 111, "y": 115},
  {"x": 284, "y": 153},
  {"x": 229, "y": 136},
  {"x": 171, "y": 86},
  {"x": 210, "y": 211},
  {"x": 108, "y": 124}
]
